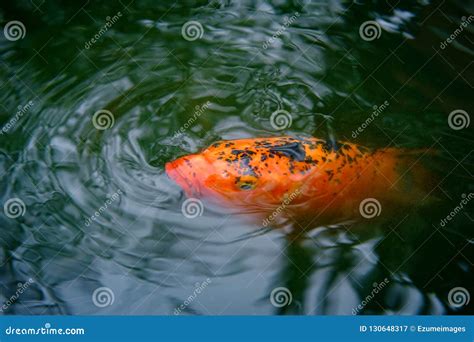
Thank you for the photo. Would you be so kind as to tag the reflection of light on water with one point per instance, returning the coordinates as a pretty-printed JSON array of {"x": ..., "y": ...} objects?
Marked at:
[{"x": 397, "y": 22}]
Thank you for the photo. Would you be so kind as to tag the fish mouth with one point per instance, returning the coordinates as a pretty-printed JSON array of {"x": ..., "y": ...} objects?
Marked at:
[{"x": 172, "y": 170}]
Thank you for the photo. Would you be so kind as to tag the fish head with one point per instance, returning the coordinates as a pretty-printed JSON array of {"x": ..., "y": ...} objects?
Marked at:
[
  {"x": 186, "y": 172},
  {"x": 218, "y": 180},
  {"x": 238, "y": 174}
]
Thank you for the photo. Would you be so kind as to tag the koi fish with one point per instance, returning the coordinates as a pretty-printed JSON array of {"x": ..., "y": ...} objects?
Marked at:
[{"x": 308, "y": 176}]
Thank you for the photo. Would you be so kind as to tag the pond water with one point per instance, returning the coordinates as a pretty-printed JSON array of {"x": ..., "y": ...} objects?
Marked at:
[{"x": 96, "y": 98}]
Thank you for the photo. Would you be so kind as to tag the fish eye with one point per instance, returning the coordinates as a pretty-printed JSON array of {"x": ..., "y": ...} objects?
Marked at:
[{"x": 246, "y": 184}]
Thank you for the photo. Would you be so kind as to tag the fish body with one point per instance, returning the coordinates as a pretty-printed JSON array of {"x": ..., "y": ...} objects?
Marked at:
[{"x": 307, "y": 176}]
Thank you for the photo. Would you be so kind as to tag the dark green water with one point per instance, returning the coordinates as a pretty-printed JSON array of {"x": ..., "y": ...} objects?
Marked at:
[{"x": 140, "y": 68}]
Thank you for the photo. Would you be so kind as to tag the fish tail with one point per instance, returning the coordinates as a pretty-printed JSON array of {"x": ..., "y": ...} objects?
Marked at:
[
  {"x": 414, "y": 175},
  {"x": 410, "y": 153}
]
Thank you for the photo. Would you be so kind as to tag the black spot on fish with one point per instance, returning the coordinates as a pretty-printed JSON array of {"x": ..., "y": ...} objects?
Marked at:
[
  {"x": 330, "y": 173},
  {"x": 292, "y": 150},
  {"x": 331, "y": 145}
]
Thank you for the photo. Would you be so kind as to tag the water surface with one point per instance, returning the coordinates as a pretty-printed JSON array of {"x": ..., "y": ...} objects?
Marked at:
[{"x": 167, "y": 96}]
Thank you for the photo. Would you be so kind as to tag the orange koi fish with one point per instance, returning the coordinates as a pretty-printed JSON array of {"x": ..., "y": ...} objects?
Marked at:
[{"x": 307, "y": 176}]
